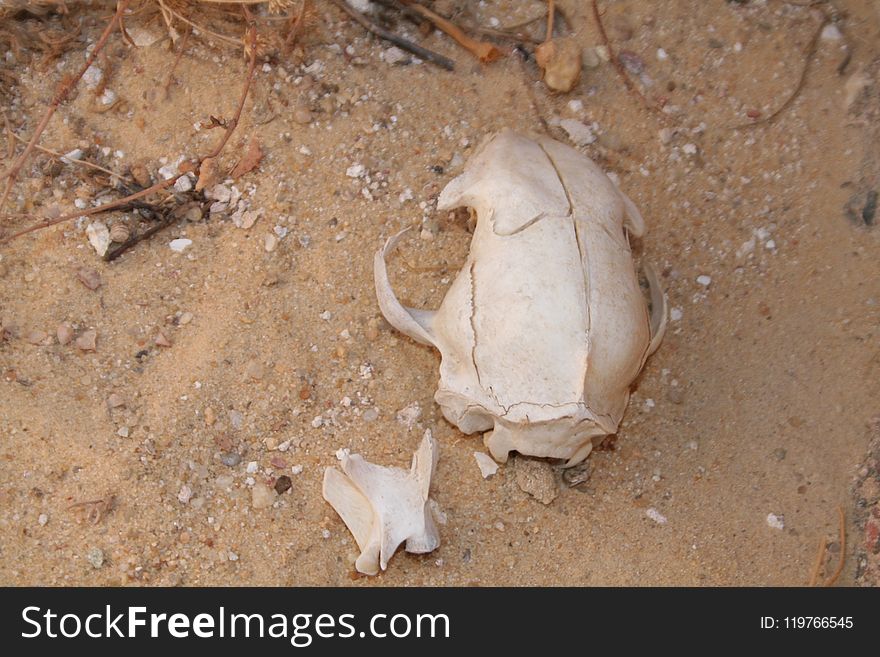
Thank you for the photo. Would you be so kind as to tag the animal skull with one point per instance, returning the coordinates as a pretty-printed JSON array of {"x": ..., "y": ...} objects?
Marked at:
[{"x": 545, "y": 327}]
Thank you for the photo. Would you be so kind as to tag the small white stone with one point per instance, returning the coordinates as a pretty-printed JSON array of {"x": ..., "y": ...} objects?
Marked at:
[
  {"x": 395, "y": 55},
  {"x": 831, "y": 33},
  {"x": 689, "y": 148},
  {"x": 180, "y": 244},
  {"x": 296, "y": 469},
  {"x": 576, "y": 106},
  {"x": 108, "y": 97},
  {"x": 675, "y": 314},
  {"x": 770, "y": 244},
  {"x": 43, "y": 519},
  {"x": 661, "y": 54},
  {"x": 704, "y": 280},
  {"x": 579, "y": 133},
  {"x": 185, "y": 494},
  {"x": 355, "y": 171},
  {"x": 72, "y": 156},
  {"x": 776, "y": 522},
  {"x": 183, "y": 184},
  {"x": 326, "y": 315},
  {"x": 252, "y": 467},
  {"x": 99, "y": 237},
  {"x": 656, "y": 516},
  {"x": 486, "y": 463},
  {"x": 122, "y": 432},
  {"x": 270, "y": 242}
]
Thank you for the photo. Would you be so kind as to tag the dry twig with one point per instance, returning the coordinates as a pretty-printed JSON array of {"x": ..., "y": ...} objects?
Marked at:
[
  {"x": 400, "y": 42},
  {"x": 64, "y": 90},
  {"x": 483, "y": 50},
  {"x": 230, "y": 127}
]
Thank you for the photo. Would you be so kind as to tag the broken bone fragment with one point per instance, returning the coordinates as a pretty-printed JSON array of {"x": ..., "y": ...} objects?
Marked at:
[
  {"x": 545, "y": 327},
  {"x": 384, "y": 507}
]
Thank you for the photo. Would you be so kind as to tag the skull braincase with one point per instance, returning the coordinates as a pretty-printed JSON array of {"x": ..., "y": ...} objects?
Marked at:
[{"x": 545, "y": 327}]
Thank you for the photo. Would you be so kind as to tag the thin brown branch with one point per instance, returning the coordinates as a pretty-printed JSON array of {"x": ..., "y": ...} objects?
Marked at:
[
  {"x": 61, "y": 156},
  {"x": 621, "y": 71},
  {"x": 483, "y": 50},
  {"x": 400, "y": 42},
  {"x": 230, "y": 127},
  {"x": 809, "y": 51},
  {"x": 11, "y": 174},
  {"x": 180, "y": 50}
]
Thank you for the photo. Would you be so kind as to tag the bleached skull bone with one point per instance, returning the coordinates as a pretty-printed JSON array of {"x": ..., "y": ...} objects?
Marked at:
[
  {"x": 384, "y": 507},
  {"x": 545, "y": 327}
]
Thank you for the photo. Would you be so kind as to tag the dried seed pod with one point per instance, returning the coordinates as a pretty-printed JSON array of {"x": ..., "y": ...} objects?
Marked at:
[{"x": 120, "y": 232}]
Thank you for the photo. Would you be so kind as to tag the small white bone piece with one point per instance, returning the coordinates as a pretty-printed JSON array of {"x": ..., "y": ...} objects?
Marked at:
[
  {"x": 486, "y": 463},
  {"x": 383, "y": 507}
]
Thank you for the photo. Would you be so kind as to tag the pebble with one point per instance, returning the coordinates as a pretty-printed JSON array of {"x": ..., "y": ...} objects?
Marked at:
[
  {"x": 89, "y": 277},
  {"x": 675, "y": 314},
  {"x": 689, "y": 149},
  {"x": 296, "y": 469},
  {"x": 776, "y": 522},
  {"x": 87, "y": 341},
  {"x": 535, "y": 477},
  {"x": 656, "y": 516},
  {"x": 180, "y": 244},
  {"x": 183, "y": 184},
  {"x": 704, "y": 280},
  {"x": 95, "y": 556},
  {"x": 99, "y": 237},
  {"x": 43, "y": 519},
  {"x": 270, "y": 242},
  {"x": 210, "y": 416},
  {"x": 64, "y": 333},
  {"x": 302, "y": 115},
  {"x": 245, "y": 220},
  {"x": 122, "y": 432},
  {"x": 779, "y": 454},
  {"x": 282, "y": 484},
  {"x": 230, "y": 459},
  {"x": 224, "y": 481},
  {"x": 666, "y": 135},
  {"x": 252, "y": 467},
  {"x": 185, "y": 318},
  {"x": 185, "y": 494},
  {"x": 161, "y": 340},
  {"x": 590, "y": 58},
  {"x": 219, "y": 193},
  {"x": 355, "y": 171},
  {"x": 561, "y": 60},
  {"x": 831, "y": 33},
  {"x": 579, "y": 133},
  {"x": 115, "y": 400},
  {"x": 631, "y": 62},
  {"x": 370, "y": 415},
  {"x": 254, "y": 370},
  {"x": 409, "y": 415},
  {"x": 261, "y": 496},
  {"x": 395, "y": 55},
  {"x": 486, "y": 463},
  {"x": 578, "y": 475},
  {"x": 36, "y": 337}
]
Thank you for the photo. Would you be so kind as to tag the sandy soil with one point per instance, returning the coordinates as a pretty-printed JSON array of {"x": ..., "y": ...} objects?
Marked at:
[{"x": 759, "y": 401}]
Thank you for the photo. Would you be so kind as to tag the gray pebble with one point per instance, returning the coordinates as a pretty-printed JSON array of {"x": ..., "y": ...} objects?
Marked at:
[{"x": 231, "y": 459}]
